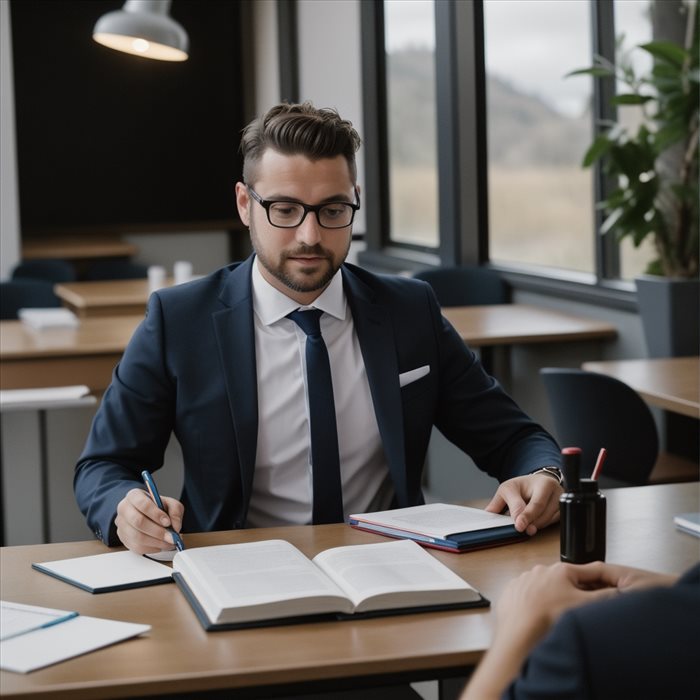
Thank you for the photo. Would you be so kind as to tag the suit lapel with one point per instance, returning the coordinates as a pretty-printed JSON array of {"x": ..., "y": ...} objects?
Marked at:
[
  {"x": 378, "y": 346},
  {"x": 236, "y": 337}
]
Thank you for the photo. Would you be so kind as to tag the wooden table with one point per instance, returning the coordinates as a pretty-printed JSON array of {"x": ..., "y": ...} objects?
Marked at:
[
  {"x": 497, "y": 327},
  {"x": 671, "y": 383},
  {"x": 508, "y": 324},
  {"x": 63, "y": 356},
  {"x": 105, "y": 297},
  {"x": 76, "y": 248},
  {"x": 179, "y": 657}
]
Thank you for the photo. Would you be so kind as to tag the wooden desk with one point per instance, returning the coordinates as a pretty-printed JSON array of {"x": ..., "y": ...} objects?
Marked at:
[
  {"x": 179, "y": 657},
  {"x": 105, "y": 297},
  {"x": 501, "y": 326},
  {"x": 77, "y": 248},
  {"x": 63, "y": 356},
  {"x": 671, "y": 383},
  {"x": 509, "y": 324}
]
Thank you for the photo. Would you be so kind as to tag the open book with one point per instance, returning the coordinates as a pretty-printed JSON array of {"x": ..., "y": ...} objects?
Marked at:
[
  {"x": 441, "y": 525},
  {"x": 272, "y": 582}
]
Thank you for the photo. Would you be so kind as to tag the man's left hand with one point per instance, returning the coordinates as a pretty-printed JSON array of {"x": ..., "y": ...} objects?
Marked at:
[{"x": 533, "y": 501}]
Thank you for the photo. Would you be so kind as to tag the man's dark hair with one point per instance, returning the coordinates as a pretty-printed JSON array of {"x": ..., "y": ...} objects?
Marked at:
[{"x": 299, "y": 129}]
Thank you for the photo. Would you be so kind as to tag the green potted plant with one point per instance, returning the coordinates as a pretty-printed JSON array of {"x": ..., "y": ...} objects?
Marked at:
[{"x": 655, "y": 171}]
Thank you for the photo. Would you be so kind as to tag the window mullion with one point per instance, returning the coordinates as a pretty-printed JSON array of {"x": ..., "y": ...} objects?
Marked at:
[{"x": 607, "y": 250}]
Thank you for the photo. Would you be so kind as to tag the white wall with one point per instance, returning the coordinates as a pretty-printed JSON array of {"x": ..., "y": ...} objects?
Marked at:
[
  {"x": 266, "y": 59},
  {"x": 9, "y": 196}
]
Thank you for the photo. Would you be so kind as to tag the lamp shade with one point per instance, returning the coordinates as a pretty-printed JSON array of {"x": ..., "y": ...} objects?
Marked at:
[{"x": 143, "y": 28}]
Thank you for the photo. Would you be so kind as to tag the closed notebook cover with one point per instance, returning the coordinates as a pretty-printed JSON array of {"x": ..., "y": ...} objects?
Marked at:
[
  {"x": 209, "y": 626},
  {"x": 444, "y": 526},
  {"x": 104, "y": 573}
]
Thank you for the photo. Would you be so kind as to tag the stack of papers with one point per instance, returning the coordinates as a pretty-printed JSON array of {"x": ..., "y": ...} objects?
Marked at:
[
  {"x": 48, "y": 318},
  {"x": 49, "y": 397}
]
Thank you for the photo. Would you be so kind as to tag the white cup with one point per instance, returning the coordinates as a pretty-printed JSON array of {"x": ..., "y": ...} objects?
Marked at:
[
  {"x": 156, "y": 277},
  {"x": 182, "y": 271}
]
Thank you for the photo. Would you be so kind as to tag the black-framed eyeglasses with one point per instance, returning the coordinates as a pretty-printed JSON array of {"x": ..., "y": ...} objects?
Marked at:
[{"x": 290, "y": 214}]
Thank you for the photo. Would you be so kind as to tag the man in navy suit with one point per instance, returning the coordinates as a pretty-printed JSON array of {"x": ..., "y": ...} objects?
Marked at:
[
  {"x": 573, "y": 632},
  {"x": 219, "y": 363}
]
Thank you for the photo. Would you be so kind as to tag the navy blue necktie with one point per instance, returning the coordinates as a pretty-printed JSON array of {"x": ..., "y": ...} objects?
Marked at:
[{"x": 325, "y": 462}]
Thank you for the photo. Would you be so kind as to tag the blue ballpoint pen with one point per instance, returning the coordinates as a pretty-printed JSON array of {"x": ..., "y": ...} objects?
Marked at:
[{"x": 153, "y": 490}]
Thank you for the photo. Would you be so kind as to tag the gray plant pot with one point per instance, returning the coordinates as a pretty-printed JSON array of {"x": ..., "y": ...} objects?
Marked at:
[{"x": 670, "y": 312}]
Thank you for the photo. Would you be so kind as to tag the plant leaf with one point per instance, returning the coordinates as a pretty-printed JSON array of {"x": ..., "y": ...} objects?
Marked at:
[
  {"x": 598, "y": 148},
  {"x": 631, "y": 99},
  {"x": 595, "y": 71},
  {"x": 666, "y": 51}
]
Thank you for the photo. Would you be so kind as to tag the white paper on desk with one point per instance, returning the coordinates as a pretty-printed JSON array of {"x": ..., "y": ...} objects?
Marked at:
[
  {"x": 48, "y": 318},
  {"x": 48, "y": 646},
  {"x": 42, "y": 397}
]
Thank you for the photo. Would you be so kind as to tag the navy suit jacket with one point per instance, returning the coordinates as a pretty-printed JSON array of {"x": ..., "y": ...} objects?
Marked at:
[
  {"x": 640, "y": 645},
  {"x": 190, "y": 369}
]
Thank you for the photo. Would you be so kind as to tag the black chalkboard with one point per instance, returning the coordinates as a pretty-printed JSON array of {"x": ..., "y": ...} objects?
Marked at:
[{"x": 109, "y": 141}]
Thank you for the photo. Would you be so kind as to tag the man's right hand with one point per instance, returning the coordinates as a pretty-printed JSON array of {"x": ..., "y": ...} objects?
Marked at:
[{"x": 141, "y": 525}]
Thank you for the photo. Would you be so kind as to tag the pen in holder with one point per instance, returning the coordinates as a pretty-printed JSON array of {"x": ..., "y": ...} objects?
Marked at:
[{"x": 581, "y": 513}]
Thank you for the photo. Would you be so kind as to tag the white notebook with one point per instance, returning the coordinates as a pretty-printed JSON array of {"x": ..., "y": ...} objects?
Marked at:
[{"x": 102, "y": 573}]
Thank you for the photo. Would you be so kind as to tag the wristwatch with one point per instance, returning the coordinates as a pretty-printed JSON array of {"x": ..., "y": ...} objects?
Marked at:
[{"x": 554, "y": 472}]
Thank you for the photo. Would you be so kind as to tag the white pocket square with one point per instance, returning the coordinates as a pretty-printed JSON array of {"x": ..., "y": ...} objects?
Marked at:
[{"x": 412, "y": 375}]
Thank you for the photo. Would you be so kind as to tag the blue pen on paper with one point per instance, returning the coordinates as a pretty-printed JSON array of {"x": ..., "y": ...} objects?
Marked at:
[
  {"x": 153, "y": 490},
  {"x": 19, "y": 619}
]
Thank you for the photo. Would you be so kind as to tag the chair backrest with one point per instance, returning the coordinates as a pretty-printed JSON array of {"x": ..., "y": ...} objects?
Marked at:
[
  {"x": 47, "y": 269},
  {"x": 467, "y": 285},
  {"x": 25, "y": 293},
  {"x": 592, "y": 410},
  {"x": 116, "y": 270}
]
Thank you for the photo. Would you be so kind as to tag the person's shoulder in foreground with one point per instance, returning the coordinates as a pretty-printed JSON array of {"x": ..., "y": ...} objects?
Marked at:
[{"x": 637, "y": 645}]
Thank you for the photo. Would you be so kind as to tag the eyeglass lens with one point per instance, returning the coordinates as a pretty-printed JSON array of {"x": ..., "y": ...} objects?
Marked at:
[{"x": 290, "y": 214}]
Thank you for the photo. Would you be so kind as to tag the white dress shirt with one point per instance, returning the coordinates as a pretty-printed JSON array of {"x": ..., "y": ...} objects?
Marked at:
[{"x": 282, "y": 484}]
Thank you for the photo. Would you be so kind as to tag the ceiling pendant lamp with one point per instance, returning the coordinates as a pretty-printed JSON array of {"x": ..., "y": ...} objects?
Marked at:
[{"x": 143, "y": 28}]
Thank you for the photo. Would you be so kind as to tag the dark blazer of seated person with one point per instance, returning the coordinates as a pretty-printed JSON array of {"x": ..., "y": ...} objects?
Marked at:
[
  {"x": 191, "y": 368},
  {"x": 638, "y": 643}
]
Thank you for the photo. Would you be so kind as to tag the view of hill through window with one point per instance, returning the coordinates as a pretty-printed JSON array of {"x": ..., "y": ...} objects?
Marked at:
[{"x": 539, "y": 125}]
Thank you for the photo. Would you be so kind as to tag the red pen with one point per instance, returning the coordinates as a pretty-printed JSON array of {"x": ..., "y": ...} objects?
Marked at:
[{"x": 599, "y": 463}]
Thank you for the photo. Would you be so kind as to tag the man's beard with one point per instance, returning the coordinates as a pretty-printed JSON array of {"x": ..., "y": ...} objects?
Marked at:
[{"x": 295, "y": 283}]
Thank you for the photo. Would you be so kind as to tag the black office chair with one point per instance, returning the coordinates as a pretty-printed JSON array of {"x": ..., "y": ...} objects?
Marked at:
[
  {"x": 467, "y": 285},
  {"x": 45, "y": 269},
  {"x": 25, "y": 293},
  {"x": 116, "y": 270},
  {"x": 592, "y": 410}
]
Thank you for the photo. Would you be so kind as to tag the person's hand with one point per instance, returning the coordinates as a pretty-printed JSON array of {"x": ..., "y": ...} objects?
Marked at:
[
  {"x": 528, "y": 607},
  {"x": 533, "y": 501},
  {"x": 534, "y": 601},
  {"x": 141, "y": 525},
  {"x": 626, "y": 578}
]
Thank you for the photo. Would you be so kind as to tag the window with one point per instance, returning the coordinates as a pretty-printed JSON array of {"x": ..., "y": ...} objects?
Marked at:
[
  {"x": 489, "y": 156},
  {"x": 409, "y": 41},
  {"x": 539, "y": 126},
  {"x": 633, "y": 27}
]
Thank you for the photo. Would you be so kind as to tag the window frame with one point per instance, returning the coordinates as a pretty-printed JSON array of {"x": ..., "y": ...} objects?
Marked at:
[{"x": 463, "y": 161}]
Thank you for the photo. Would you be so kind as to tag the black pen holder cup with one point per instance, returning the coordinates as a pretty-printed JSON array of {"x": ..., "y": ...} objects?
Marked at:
[{"x": 582, "y": 522}]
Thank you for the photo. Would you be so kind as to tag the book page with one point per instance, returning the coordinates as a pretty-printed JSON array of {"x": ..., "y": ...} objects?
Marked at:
[
  {"x": 436, "y": 519},
  {"x": 393, "y": 574},
  {"x": 257, "y": 581}
]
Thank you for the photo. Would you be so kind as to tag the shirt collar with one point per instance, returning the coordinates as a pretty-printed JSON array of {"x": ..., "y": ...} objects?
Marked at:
[{"x": 270, "y": 305}]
